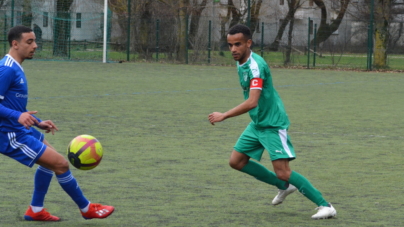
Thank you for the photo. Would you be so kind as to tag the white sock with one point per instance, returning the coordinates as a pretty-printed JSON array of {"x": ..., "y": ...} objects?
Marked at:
[
  {"x": 85, "y": 209},
  {"x": 36, "y": 209}
]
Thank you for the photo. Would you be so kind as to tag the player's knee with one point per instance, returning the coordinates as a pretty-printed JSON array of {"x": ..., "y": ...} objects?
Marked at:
[
  {"x": 283, "y": 175},
  {"x": 237, "y": 164},
  {"x": 61, "y": 166}
]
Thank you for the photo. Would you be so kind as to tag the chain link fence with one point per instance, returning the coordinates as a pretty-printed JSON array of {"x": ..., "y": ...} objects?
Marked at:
[{"x": 194, "y": 40}]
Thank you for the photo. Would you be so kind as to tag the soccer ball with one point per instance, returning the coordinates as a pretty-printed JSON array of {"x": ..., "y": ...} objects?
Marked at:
[{"x": 85, "y": 152}]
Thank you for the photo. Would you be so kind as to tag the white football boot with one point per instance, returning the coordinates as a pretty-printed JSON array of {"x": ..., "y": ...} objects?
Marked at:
[
  {"x": 282, "y": 195},
  {"x": 325, "y": 212}
]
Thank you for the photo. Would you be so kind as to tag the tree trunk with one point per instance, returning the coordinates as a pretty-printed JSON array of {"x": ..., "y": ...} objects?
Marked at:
[
  {"x": 382, "y": 19},
  {"x": 62, "y": 28},
  {"x": 195, "y": 18},
  {"x": 145, "y": 32},
  {"x": 182, "y": 30},
  {"x": 289, "y": 47},
  {"x": 325, "y": 30},
  {"x": 27, "y": 13},
  {"x": 255, "y": 13},
  {"x": 235, "y": 14},
  {"x": 293, "y": 6}
]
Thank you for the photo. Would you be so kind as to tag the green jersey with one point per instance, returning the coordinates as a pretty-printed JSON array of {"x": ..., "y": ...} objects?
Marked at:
[{"x": 270, "y": 112}]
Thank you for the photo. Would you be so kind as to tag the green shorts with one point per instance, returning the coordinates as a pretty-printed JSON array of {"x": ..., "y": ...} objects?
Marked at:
[{"x": 253, "y": 141}]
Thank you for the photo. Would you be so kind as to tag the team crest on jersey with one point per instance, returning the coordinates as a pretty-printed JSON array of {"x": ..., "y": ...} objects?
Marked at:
[
  {"x": 245, "y": 75},
  {"x": 21, "y": 81}
]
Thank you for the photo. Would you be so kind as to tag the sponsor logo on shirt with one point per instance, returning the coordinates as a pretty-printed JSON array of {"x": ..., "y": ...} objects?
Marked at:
[{"x": 21, "y": 96}]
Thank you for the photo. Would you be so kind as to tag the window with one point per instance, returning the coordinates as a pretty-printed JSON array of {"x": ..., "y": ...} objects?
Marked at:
[
  {"x": 78, "y": 20},
  {"x": 281, "y": 2},
  {"x": 45, "y": 19}
]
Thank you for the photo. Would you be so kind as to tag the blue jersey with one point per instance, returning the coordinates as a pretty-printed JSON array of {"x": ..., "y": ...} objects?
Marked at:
[{"x": 13, "y": 95}]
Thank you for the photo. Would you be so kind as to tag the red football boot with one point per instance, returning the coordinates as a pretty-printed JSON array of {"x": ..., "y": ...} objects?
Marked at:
[
  {"x": 43, "y": 215},
  {"x": 96, "y": 210}
]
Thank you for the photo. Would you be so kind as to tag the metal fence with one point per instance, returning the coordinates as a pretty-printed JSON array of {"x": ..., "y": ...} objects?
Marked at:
[{"x": 159, "y": 38}]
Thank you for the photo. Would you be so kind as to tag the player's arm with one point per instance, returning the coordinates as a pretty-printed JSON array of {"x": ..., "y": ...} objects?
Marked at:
[
  {"x": 244, "y": 107},
  {"x": 26, "y": 118},
  {"x": 48, "y": 126},
  {"x": 9, "y": 113}
]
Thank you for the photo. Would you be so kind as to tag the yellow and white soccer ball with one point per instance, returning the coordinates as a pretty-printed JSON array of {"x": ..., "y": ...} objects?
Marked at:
[{"x": 85, "y": 152}]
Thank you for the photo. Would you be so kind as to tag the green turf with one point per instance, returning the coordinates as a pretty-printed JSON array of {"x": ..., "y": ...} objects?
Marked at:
[
  {"x": 89, "y": 51},
  {"x": 165, "y": 165}
]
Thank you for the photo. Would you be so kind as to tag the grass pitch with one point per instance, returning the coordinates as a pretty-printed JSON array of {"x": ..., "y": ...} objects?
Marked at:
[{"x": 165, "y": 165}]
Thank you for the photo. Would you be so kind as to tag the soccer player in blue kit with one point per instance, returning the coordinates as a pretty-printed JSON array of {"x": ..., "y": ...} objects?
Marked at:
[
  {"x": 23, "y": 143},
  {"x": 268, "y": 127}
]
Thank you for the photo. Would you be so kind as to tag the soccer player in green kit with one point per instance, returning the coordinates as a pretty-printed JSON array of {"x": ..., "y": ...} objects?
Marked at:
[{"x": 268, "y": 128}]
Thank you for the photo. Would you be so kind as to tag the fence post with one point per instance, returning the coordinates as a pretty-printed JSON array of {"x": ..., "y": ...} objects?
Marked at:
[
  {"x": 128, "y": 35},
  {"x": 5, "y": 34},
  {"x": 69, "y": 47},
  {"x": 157, "y": 39},
  {"x": 370, "y": 37},
  {"x": 209, "y": 40},
  {"x": 368, "y": 50},
  {"x": 308, "y": 46},
  {"x": 186, "y": 38},
  {"x": 12, "y": 13},
  {"x": 262, "y": 39},
  {"x": 315, "y": 45}
]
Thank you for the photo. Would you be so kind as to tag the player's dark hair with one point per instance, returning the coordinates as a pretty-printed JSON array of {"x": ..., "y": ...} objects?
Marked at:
[
  {"x": 15, "y": 33},
  {"x": 240, "y": 28}
]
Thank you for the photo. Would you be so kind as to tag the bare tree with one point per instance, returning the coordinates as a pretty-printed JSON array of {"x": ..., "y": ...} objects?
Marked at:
[
  {"x": 384, "y": 11},
  {"x": 2, "y": 3},
  {"x": 196, "y": 12},
  {"x": 382, "y": 36},
  {"x": 255, "y": 13},
  {"x": 62, "y": 27},
  {"x": 289, "y": 47},
  {"x": 293, "y": 6},
  {"x": 238, "y": 14},
  {"x": 326, "y": 29},
  {"x": 27, "y": 13}
]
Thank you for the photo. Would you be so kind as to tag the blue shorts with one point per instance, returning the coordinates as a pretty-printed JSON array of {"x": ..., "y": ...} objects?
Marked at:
[{"x": 24, "y": 147}]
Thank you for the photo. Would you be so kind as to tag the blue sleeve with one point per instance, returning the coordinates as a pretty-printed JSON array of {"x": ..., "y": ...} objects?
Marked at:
[
  {"x": 39, "y": 120},
  {"x": 7, "y": 75},
  {"x": 9, "y": 113}
]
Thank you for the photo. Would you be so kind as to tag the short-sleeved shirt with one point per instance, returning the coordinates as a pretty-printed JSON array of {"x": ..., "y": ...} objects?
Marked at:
[{"x": 270, "y": 111}]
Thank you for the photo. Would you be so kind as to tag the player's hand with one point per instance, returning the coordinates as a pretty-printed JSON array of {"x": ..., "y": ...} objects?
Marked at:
[
  {"x": 216, "y": 117},
  {"x": 27, "y": 120},
  {"x": 49, "y": 126}
]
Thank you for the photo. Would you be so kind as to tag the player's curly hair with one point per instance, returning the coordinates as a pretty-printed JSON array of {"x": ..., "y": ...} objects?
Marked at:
[
  {"x": 240, "y": 28},
  {"x": 15, "y": 33}
]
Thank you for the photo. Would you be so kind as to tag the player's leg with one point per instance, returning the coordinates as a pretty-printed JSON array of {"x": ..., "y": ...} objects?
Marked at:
[
  {"x": 26, "y": 148},
  {"x": 42, "y": 179},
  {"x": 283, "y": 171},
  {"x": 248, "y": 146},
  {"x": 54, "y": 161},
  {"x": 281, "y": 151}
]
